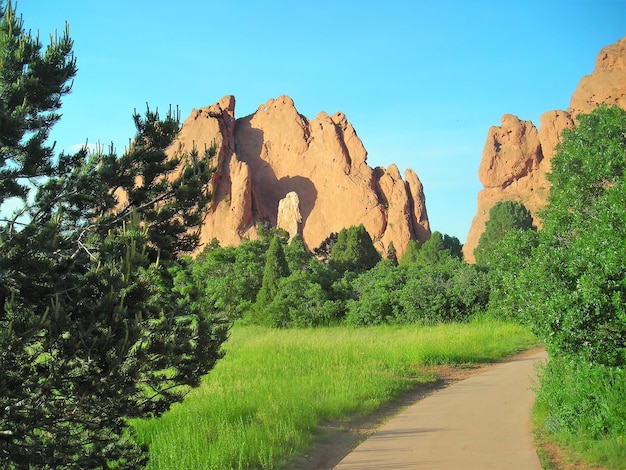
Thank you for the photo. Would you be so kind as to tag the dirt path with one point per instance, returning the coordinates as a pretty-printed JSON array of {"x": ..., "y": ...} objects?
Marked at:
[
  {"x": 336, "y": 439},
  {"x": 482, "y": 422}
]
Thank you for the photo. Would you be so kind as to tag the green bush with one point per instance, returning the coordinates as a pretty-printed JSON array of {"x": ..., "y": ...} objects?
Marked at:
[
  {"x": 575, "y": 286},
  {"x": 583, "y": 404},
  {"x": 444, "y": 291},
  {"x": 450, "y": 290},
  {"x": 376, "y": 291},
  {"x": 300, "y": 302}
]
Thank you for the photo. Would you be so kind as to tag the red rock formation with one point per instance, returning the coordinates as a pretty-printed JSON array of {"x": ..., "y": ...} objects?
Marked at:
[
  {"x": 289, "y": 217},
  {"x": 275, "y": 151},
  {"x": 516, "y": 156},
  {"x": 607, "y": 82}
]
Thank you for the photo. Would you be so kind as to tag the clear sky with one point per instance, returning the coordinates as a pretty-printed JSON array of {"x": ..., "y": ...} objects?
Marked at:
[{"x": 421, "y": 81}]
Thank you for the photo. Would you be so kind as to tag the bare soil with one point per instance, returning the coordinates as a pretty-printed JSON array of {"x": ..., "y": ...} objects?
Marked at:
[{"x": 336, "y": 439}]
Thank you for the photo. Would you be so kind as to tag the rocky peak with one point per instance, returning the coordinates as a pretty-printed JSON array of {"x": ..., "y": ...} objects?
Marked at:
[
  {"x": 607, "y": 82},
  {"x": 512, "y": 151},
  {"x": 307, "y": 176},
  {"x": 516, "y": 156}
]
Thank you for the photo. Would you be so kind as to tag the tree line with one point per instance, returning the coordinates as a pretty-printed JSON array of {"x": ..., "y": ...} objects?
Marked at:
[{"x": 279, "y": 283}]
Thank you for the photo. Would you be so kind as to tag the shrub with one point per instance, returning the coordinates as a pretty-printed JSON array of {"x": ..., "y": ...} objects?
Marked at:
[
  {"x": 582, "y": 399},
  {"x": 376, "y": 295}
]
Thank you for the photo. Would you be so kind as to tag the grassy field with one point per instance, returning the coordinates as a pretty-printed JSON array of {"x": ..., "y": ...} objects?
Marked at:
[{"x": 263, "y": 401}]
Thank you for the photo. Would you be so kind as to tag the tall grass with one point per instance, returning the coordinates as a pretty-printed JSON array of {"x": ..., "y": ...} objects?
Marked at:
[
  {"x": 264, "y": 400},
  {"x": 582, "y": 407}
]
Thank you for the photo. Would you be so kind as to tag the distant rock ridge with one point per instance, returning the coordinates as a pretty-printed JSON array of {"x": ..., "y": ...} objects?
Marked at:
[
  {"x": 517, "y": 155},
  {"x": 307, "y": 176}
]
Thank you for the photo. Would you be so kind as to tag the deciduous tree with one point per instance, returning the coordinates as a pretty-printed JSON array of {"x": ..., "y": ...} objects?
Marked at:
[{"x": 576, "y": 284}]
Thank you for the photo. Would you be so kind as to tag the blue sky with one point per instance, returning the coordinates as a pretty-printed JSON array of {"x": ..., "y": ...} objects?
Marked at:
[{"x": 421, "y": 81}]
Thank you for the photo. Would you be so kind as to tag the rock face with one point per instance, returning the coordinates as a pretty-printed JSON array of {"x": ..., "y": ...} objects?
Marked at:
[
  {"x": 517, "y": 155},
  {"x": 307, "y": 176},
  {"x": 289, "y": 217}
]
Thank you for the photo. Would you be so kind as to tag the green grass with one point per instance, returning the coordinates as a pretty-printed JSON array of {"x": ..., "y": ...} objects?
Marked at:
[
  {"x": 262, "y": 402},
  {"x": 582, "y": 409}
]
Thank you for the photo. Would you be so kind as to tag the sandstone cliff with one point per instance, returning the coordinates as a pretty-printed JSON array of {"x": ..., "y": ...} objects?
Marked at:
[
  {"x": 307, "y": 176},
  {"x": 517, "y": 155}
]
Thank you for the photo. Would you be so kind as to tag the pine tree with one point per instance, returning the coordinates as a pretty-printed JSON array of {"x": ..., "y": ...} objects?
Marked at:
[
  {"x": 276, "y": 268},
  {"x": 433, "y": 250},
  {"x": 322, "y": 252},
  {"x": 453, "y": 245},
  {"x": 91, "y": 330},
  {"x": 392, "y": 255},
  {"x": 437, "y": 248},
  {"x": 297, "y": 255},
  {"x": 354, "y": 251},
  {"x": 504, "y": 216}
]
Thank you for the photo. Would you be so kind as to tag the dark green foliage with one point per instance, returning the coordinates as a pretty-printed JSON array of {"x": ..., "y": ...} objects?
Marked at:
[
  {"x": 92, "y": 329},
  {"x": 411, "y": 254},
  {"x": 275, "y": 269},
  {"x": 503, "y": 217},
  {"x": 32, "y": 83},
  {"x": 229, "y": 280},
  {"x": 433, "y": 250},
  {"x": 576, "y": 284},
  {"x": 449, "y": 290},
  {"x": 324, "y": 276},
  {"x": 436, "y": 248},
  {"x": 226, "y": 279},
  {"x": 301, "y": 302},
  {"x": 437, "y": 286},
  {"x": 323, "y": 251},
  {"x": 297, "y": 289},
  {"x": 392, "y": 255},
  {"x": 376, "y": 293},
  {"x": 453, "y": 245},
  {"x": 297, "y": 255},
  {"x": 248, "y": 271},
  {"x": 354, "y": 251}
]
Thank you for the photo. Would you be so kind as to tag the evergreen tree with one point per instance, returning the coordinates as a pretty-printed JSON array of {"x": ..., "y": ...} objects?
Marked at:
[
  {"x": 297, "y": 255},
  {"x": 453, "y": 245},
  {"x": 354, "y": 251},
  {"x": 275, "y": 269},
  {"x": 92, "y": 332},
  {"x": 411, "y": 254},
  {"x": 433, "y": 250},
  {"x": 392, "y": 255},
  {"x": 437, "y": 248},
  {"x": 503, "y": 217},
  {"x": 323, "y": 251}
]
